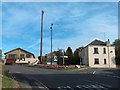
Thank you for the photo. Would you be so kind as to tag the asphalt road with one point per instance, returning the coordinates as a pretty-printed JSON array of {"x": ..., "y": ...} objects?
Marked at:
[{"x": 48, "y": 79}]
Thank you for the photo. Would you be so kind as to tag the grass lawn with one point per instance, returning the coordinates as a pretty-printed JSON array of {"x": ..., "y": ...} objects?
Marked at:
[{"x": 7, "y": 82}]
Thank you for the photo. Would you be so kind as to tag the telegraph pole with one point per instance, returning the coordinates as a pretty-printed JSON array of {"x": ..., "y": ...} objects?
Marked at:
[{"x": 41, "y": 37}]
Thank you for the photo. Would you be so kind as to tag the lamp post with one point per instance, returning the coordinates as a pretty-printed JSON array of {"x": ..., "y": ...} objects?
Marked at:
[{"x": 51, "y": 42}]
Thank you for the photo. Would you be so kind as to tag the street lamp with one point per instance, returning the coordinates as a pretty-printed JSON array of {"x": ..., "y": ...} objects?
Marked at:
[{"x": 51, "y": 42}]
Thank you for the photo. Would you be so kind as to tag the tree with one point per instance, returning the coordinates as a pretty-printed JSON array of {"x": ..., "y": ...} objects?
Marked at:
[
  {"x": 69, "y": 53},
  {"x": 117, "y": 50},
  {"x": 0, "y": 54},
  {"x": 59, "y": 54},
  {"x": 76, "y": 59}
]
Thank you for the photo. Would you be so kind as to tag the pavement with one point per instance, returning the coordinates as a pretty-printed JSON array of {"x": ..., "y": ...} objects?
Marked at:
[{"x": 49, "y": 79}]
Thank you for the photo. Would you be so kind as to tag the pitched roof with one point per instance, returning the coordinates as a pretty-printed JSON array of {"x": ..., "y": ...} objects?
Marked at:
[
  {"x": 20, "y": 49},
  {"x": 53, "y": 53},
  {"x": 97, "y": 42}
]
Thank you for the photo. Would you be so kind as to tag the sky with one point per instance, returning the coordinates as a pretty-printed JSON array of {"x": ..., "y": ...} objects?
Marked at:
[
  {"x": 75, "y": 24},
  {"x": 60, "y": 0}
]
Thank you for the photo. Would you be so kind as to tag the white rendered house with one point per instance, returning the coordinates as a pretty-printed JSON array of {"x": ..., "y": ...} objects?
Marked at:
[{"x": 98, "y": 54}]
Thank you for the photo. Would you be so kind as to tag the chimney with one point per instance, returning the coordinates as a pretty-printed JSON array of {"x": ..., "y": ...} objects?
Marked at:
[{"x": 108, "y": 43}]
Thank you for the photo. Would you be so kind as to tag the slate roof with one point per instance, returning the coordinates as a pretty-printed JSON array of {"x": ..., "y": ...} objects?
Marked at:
[
  {"x": 20, "y": 49},
  {"x": 97, "y": 42}
]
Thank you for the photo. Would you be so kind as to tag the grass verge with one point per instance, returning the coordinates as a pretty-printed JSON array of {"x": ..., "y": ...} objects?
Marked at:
[{"x": 7, "y": 81}]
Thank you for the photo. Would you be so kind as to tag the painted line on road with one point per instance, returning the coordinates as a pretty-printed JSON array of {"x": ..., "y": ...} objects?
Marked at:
[
  {"x": 99, "y": 87},
  {"x": 84, "y": 87},
  {"x": 70, "y": 87},
  {"x": 46, "y": 88},
  {"x": 42, "y": 84},
  {"x": 80, "y": 87},
  {"x": 106, "y": 75},
  {"x": 87, "y": 87},
  {"x": 39, "y": 86},
  {"x": 96, "y": 86},
  {"x": 94, "y": 72},
  {"x": 65, "y": 88},
  {"x": 99, "y": 83}
]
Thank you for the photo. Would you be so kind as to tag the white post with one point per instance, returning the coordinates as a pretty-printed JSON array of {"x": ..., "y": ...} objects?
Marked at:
[{"x": 63, "y": 57}]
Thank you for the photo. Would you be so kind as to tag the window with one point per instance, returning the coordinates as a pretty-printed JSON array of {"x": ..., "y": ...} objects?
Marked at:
[
  {"x": 12, "y": 56},
  {"x": 49, "y": 57},
  {"x": 21, "y": 56},
  {"x": 105, "y": 61},
  {"x": 28, "y": 56},
  {"x": 111, "y": 51},
  {"x": 96, "y": 61},
  {"x": 95, "y": 50},
  {"x": 104, "y": 50}
]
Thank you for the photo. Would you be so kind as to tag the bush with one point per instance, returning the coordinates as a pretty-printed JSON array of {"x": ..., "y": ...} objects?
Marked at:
[
  {"x": 5, "y": 72},
  {"x": 117, "y": 60}
]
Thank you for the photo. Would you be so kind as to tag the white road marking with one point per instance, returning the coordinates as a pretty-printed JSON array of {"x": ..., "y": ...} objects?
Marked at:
[
  {"x": 84, "y": 87},
  {"x": 106, "y": 85},
  {"x": 42, "y": 84},
  {"x": 38, "y": 85},
  {"x": 70, "y": 87},
  {"x": 80, "y": 87},
  {"x": 65, "y": 88},
  {"x": 94, "y": 72},
  {"x": 95, "y": 87},
  {"x": 87, "y": 87},
  {"x": 99, "y": 87}
]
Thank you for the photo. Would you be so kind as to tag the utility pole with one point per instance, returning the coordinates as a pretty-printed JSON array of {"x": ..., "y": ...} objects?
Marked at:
[
  {"x": 41, "y": 37},
  {"x": 51, "y": 43}
]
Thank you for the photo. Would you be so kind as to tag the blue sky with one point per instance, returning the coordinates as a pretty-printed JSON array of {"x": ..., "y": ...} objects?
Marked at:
[{"x": 75, "y": 24}]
